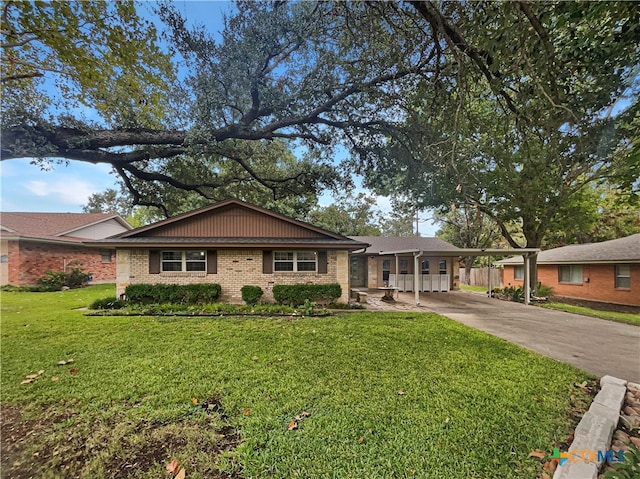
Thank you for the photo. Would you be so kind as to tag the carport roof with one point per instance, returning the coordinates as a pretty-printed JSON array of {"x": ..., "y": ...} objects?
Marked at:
[
  {"x": 409, "y": 243},
  {"x": 459, "y": 252}
]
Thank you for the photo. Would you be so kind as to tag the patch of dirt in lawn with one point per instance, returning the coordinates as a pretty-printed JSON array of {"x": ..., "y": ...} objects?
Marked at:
[{"x": 60, "y": 444}]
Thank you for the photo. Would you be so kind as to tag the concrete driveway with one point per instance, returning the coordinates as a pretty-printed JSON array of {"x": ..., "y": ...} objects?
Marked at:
[{"x": 597, "y": 346}]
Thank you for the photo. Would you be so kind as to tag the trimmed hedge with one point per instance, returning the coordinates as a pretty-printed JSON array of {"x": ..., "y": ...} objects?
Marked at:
[
  {"x": 296, "y": 294},
  {"x": 172, "y": 293},
  {"x": 251, "y": 294}
]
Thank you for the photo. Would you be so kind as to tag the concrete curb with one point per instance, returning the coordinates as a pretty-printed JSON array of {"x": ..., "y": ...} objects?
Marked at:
[{"x": 594, "y": 431}]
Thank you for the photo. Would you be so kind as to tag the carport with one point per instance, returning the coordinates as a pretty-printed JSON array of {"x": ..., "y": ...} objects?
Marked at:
[{"x": 526, "y": 253}]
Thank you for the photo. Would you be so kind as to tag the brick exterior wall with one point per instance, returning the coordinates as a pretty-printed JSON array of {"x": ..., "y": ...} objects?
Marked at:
[
  {"x": 30, "y": 260},
  {"x": 236, "y": 268},
  {"x": 601, "y": 285}
]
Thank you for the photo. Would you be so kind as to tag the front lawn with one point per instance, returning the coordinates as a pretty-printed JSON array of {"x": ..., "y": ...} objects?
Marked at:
[
  {"x": 475, "y": 289},
  {"x": 375, "y": 395}
]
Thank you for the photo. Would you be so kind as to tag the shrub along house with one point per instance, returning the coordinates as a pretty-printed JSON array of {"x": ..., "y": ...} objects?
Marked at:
[
  {"x": 608, "y": 271},
  {"x": 234, "y": 244},
  {"x": 33, "y": 243}
]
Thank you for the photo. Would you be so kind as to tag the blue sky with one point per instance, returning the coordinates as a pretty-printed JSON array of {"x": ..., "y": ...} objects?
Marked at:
[{"x": 67, "y": 187}]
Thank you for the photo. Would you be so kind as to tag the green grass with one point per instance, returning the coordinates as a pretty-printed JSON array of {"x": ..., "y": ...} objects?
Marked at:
[
  {"x": 627, "y": 318},
  {"x": 474, "y": 406},
  {"x": 477, "y": 289}
]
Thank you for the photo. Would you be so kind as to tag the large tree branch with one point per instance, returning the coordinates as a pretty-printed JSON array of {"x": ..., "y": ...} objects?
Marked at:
[{"x": 452, "y": 34}]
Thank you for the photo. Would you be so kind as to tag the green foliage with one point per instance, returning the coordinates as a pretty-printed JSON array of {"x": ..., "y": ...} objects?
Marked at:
[
  {"x": 510, "y": 293},
  {"x": 251, "y": 294},
  {"x": 56, "y": 280},
  {"x": 399, "y": 222},
  {"x": 520, "y": 123},
  {"x": 544, "y": 291},
  {"x": 349, "y": 215},
  {"x": 629, "y": 469},
  {"x": 209, "y": 309},
  {"x": 100, "y": 55},
  {"x": 335, "y": 305},
  {"x": 110, "y": 201},
  {"x": 172, "y": 293},
  {"x": 9, "y": 288},
  {"x": 110, "y": 302},
  {"x": 308, "y": 307},
  {"x": 298, "y": 294}
]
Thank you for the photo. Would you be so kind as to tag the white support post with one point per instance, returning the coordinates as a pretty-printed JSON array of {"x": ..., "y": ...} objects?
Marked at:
[
  {"x": 397, "y": 272},
  {"x": 416, "y": 278},
  {"x": 489, "y": 288},
  {"x": 527, "y": 279}
]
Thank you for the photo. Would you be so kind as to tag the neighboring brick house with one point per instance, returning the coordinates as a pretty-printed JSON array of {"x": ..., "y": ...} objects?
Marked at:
[
  {"x": 371, "y": 268},
  {"x": 33, "y": 243},
  {"x": 234, "y": 244},
  {"x": 608, "y": 271}
]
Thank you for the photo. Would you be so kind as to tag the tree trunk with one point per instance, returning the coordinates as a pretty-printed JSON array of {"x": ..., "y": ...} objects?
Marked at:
[{"x": 468, "y": 264}]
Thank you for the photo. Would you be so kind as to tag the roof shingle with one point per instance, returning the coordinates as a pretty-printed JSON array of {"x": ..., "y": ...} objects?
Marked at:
[
  {"x": 621, "y": 249},
  {"x": 383, "y": 243},
  {"x": 48, "y": 225}
]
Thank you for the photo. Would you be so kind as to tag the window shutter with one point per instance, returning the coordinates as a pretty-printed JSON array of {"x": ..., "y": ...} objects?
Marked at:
[
  {"x": 393, "y": 266},
  {"x": 212, "y": 262},
  {"x": 154, "y": 262},
  {"x": 267, "y": 262},
  {"x": 322, "y": 262}
]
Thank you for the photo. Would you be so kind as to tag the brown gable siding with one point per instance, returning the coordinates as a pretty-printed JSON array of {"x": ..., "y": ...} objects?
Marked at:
[{"x": 233, "y": 222}]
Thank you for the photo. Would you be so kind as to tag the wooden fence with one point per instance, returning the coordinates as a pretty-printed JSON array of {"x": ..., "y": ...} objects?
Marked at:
[{"x": 480, "y": 277}]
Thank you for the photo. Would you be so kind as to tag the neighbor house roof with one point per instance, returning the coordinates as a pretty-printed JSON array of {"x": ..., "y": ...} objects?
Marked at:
[
  {"x": 52, "y": 226},
  {"x": 613, "y": 251},
  {"x": 232, "y": 224},
  {"x": 381, "y": 244}
]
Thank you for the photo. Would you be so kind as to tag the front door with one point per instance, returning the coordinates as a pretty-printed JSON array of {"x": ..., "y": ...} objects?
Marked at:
[{"x": 358, "y": 271}]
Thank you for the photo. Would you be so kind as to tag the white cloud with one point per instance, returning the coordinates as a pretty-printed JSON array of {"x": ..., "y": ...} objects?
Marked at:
[{"x": 70, "y": 191}]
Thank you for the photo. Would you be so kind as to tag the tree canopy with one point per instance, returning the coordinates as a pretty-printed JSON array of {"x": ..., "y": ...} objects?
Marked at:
[
  {"x": 537, "y": 103},
  {"x": 510, "y": 107}
]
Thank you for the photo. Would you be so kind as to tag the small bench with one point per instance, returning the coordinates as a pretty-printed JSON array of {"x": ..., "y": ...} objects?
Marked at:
[{"x": 359, "y": 296}]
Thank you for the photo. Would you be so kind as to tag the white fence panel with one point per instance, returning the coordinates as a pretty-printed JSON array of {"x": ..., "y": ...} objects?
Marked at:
[{"x": 428, "y": 282}]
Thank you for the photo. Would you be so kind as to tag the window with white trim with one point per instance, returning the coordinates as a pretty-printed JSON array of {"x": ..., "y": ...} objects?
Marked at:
[
  {"x": 570, "y": 273},
  {"x": 105, "y": 256},
  {"x": 518, "y": 272},
  {"x": 386, "y": 269},
  {"x": 295, "y": 261},
  {"x": 623, "y": 276},
  {"x": 442, "y": 266},
  {"x": 184, "y": 261},
  {"x": 404, "y": 266},
  {"x": 424, "y": 266}
]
